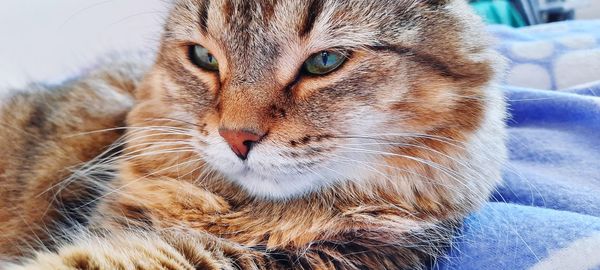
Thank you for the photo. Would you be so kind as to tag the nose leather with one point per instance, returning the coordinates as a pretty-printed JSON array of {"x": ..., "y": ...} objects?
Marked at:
[{"x": 240, "y": 141}]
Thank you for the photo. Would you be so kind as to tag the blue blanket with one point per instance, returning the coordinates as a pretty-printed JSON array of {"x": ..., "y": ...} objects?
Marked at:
[{"x": 547, "y": 213}]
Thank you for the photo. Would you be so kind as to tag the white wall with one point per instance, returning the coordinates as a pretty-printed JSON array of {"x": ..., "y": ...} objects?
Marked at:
[
  {"x": 50, "y": 39},
  {"x": 589, "y": 10}
]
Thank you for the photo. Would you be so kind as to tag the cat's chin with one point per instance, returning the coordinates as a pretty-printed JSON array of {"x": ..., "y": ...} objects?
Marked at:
[
  {"x": 272, "y": 185},
  {"x": 276, "y": 187}
]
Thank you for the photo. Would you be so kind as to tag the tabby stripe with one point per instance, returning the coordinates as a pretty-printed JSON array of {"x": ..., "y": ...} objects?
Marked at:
[
  {"x": 203, "y": 16},
  {"x": 315, "y": 7},
  {"x": 424, "y": 59}
]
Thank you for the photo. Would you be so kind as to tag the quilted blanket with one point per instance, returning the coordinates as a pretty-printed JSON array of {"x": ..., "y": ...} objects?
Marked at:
[{"x": 546, "y": 215}]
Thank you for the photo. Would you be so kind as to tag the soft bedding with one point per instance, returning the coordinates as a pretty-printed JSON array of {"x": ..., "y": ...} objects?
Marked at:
[{"x": 546, "y": 215}]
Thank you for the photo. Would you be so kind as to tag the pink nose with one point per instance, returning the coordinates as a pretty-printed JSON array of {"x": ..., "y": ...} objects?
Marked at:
[{"x": 240, "y": 141}]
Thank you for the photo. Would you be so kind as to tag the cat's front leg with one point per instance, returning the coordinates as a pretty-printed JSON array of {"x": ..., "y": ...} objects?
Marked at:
[{"x": 175, "y": 250}]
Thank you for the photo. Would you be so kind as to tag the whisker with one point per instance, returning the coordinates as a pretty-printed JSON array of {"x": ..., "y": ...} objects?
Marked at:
[{"x": 135, "y": 180}]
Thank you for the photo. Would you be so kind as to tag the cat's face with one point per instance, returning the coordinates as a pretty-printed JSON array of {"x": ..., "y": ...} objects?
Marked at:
[{"x": 272, "y": 123}]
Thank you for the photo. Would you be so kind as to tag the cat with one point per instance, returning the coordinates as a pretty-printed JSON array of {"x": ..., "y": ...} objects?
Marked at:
[{"x": 267, "y": 134}]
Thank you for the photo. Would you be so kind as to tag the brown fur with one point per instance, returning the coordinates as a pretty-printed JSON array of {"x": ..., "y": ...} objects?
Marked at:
[
  {"x": 46, "y": 131},
  {"x": 420, "y": 66}
]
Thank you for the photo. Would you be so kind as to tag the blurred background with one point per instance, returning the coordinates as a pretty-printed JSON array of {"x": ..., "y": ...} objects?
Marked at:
[
  {"x": 519, "y": 13},
  {"x": 50, "y": 40}
]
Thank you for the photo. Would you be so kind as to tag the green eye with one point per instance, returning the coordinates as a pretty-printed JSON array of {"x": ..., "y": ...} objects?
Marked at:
[
  {"x": 201, "y": 57},
  {"x": 324, "y": 62}
]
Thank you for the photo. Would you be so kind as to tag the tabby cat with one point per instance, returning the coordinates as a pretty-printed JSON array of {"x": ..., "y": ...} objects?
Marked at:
[{"x": 266, "y": 134}]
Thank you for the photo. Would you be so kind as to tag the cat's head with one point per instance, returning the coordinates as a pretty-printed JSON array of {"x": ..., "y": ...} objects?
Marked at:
[{"x": 284, "y": 97}]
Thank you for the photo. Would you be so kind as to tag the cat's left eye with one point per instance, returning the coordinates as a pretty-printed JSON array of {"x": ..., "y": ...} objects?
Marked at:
[
  {"x": 202, "y": 58},
  {"x": 324, "y": 62}
]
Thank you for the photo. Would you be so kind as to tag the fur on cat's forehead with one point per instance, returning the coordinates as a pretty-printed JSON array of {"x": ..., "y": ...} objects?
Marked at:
[
  {"x": 237, "y": 24},
  {"x": 257, "y": 33}
]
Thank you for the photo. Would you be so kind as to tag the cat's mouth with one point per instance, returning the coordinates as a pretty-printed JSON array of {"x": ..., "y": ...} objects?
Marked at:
[
  {"x": 263, "y": 173},
  {"x": 254, "y": 171},
  {"x": 246, "y": 171}
]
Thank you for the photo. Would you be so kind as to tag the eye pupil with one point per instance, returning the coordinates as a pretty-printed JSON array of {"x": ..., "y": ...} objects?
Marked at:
[{"x": 325, "y": 58}]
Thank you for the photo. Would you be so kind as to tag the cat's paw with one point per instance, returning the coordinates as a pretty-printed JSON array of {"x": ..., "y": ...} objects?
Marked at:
[
  {"x": 228, "y": 255},
  {"x": 125, "y": 251},
  {"x": 173, "y": 250}
]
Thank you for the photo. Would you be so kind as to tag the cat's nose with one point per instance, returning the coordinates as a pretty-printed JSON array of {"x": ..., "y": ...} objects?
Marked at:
[{"x": 240, "y": 141}]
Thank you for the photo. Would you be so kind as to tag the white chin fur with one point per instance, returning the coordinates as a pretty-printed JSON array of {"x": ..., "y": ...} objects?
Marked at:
[
  {"x": 263, "y": 184},
  {"x": 258, "y": 176},
  {"x": 277, "y": 187}
]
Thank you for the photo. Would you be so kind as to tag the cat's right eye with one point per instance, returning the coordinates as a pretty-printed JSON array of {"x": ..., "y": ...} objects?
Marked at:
[
  {"x": 202, "y": 58},
  {"x": 324, "y": 62}
]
